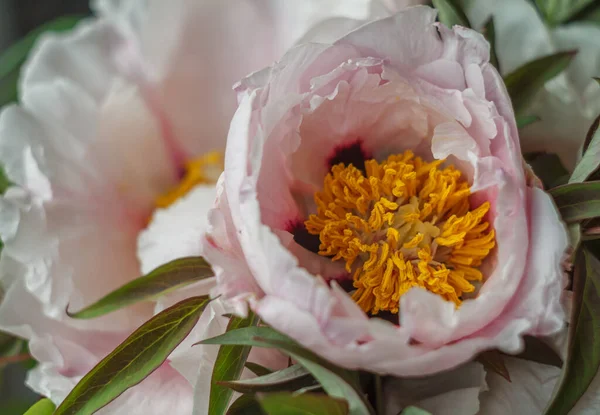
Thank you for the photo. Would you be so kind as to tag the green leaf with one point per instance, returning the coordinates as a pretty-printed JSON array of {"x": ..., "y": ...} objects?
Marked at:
[
  {"x": 559, "y": 11},
  {"x": 134, "y": 359},
  {"x": 524, "y": 82},
  {"x": 583, "y": 355},
  {"x": 4, "y": 182},
  {"x": 490, "y": 34},
  {"x": 164, "y": 279},
  {"x": 450, "y": 13},
  {"x": 257, "y": 369},
  {"x": 590, "y": 162},
  {"x": 577, "y": 201},
  {"x": 413, "y": 410},
  {"x": 41, "y": 407},
  {"x": 246, "y": 336},
  {"x": 228, "y": 366},
  {"x": 288, "y": 379},
  {"x": 590, "y": 134},
  {"x": 596, "y": 78},
  {"x": 8, "y": 88},
  {"x": 306, "y": 404},
  {"x": 245, "y": 405},
  {"x": 524, "y": 120},
  {"x": 336, "y": 381}
]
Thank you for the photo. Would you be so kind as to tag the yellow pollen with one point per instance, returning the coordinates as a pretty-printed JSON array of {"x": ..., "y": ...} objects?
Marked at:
[
  {"x": 405, "y": 223},
  {"x": 202, "y": 170}
]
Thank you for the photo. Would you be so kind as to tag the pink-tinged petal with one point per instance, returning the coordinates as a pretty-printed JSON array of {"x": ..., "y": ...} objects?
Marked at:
[
  {"x": 375, "y": 93},
  {"x": 528, "y": 392},
  {"x": 387, "y": 38},
  {"x": 164, "y": 391},
  {"x": 176, "y": 231},
  {"x": 448, "y": 393}
]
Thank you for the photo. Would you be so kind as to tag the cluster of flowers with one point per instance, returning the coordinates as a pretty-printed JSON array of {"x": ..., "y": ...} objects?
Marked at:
[{"x": 368, "y": 198}]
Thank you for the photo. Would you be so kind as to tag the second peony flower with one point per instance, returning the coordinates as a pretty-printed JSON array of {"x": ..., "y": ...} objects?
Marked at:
[{"x": 375, "y": 206}]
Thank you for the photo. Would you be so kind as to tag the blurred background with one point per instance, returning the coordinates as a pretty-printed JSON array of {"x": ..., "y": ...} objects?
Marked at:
[{"x": 19, "y": 17}]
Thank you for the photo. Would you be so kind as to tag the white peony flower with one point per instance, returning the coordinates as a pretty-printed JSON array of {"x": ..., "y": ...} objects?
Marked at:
[{"x": 112, "y": 155}]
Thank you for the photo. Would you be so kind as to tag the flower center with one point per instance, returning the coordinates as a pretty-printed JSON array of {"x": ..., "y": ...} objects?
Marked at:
[
  {"x": 202, "y": 170},
  {"x": 404, "y": 223}
]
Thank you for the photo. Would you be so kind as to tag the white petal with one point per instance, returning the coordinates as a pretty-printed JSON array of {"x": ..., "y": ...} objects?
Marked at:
[
  {"x": 528, "y": 392},
  {"x": 176, "y": 231}
]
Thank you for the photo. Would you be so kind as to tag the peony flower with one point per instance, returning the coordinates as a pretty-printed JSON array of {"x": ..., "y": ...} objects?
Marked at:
[
  {"x": 569, "y": 103},
  {"x": 114, "y": 152},
  {"x": 374, "y": 205}
]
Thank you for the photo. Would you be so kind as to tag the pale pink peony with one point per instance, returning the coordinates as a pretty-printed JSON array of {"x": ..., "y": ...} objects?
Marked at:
[
  {"x": 400, "y": 83},
  {"x": 109, "y": 115}
]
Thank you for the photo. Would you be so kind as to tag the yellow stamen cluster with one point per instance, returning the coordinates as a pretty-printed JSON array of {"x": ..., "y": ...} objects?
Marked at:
[
  {"x": 405, "y": 223},
  {"x": 202, "y": 170}
]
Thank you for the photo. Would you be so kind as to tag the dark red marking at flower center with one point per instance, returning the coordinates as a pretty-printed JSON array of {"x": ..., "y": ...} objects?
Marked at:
[
  {"x": 303, "y": 238},
  {"x": 349, "y": 153}
]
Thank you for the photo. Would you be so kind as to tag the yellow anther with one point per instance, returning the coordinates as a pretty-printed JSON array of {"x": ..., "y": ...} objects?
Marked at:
[
  {"x": 405, "y": 223},
  {"x": 203, "y": 170}
]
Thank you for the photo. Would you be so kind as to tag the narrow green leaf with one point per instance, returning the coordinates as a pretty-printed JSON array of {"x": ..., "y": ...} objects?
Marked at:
[
  {"x": 246, "y": 336},
  {"x": 450, "y": 13},
  {"x": 591, "y": 133},
  {"x": 245, "y": 405},
  {"x": 289, "y": 379},
  {"x": 413, "y": 410},
  {"x": 524, "y": 120},
  {"x": 559, "y": 11},
  {"x": 583, "y": 355},
  {"x": 306, "y": 404},
  {"x": 524, "y": 82},
  {"x": 590, "y": 162},
  {"x": 269, "y": 338},
  {"x": 228, "y": 366},
  {"x": 134, "y": 359},
  {"x": 4, "y": 182},
  {"x": 577, "y": 201},
  {"x": 337, "y": 382},
  {"x": 8, "y": 88},
  {"x": 490, "y": 34},
  {"x": 15, "y": 55},
  {"x": 41, "y": 407},
  {"x": 162, "y": 280},
  {"x": 597, "y": 80},
  {"x": 257, "y": 369}
]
